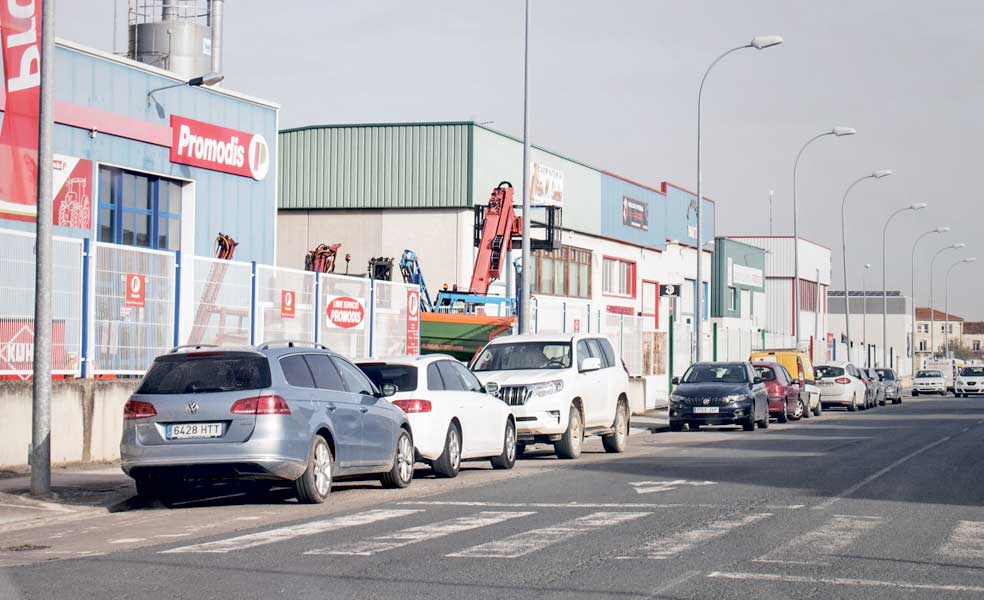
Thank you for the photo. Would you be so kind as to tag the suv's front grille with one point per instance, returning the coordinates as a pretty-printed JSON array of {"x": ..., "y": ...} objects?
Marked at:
[{"x": 514, "y": 395}]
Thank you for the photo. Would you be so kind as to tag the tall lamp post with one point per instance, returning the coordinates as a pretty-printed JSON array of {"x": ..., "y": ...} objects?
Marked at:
[
  {"x": 525, "y": 281},
  {"x": 864, "y": 312},
  {"x": 838, "y": 131},
  {"x": 847, "y": 293},
  {"x": 932, "y": 311},
  {"x": 916, "y": 206},
  {"x": 760, "y": 42},
  {"x": 912, "y": 275},
  {"x": 946, "y": 305}
]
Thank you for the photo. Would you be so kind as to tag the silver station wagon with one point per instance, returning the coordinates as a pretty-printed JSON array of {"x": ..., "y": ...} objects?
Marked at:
[{"x": 280, "y": 411}]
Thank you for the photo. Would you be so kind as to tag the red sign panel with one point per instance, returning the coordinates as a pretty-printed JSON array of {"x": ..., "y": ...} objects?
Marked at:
[
  {"x": 17, "y": 345},
  {"x": 287, "y": 298},
  {"x": 344, "y": 312},
  {"x": 20, "y": 38},
  {"x": 577, "y": 325},
  {"x": 134, "y": 290},
  {"x": 217, "y": 148},
  {"x": 72, "y": 181},
  {"x": 413, "y": 322}
]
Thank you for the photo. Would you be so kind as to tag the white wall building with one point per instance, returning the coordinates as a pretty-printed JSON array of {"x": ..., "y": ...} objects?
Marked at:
[{"x": 867, "y": 342}]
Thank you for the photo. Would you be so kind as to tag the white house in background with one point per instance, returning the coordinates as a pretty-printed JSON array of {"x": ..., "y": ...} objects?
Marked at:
[
  {"x": 814, "y": 272},
  {"x": 866, "y": 329},
  {"x": 947, "y": 327}
]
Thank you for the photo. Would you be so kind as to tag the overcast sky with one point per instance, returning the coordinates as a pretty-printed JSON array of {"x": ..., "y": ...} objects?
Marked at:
[{"x": 614, "y": 84}]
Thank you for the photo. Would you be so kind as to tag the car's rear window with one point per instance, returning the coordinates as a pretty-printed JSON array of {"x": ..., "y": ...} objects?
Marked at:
[
  {"x": 188, "y": 374},
  {"x": 404, "y": 377},
  {"x": 823, "y": 372},
  {"x": 886, "y": 374},
  {"x": 765, "y": 373}
]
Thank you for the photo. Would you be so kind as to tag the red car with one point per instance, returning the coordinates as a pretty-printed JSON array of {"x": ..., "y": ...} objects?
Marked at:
[{"x": 783, "y": 390}]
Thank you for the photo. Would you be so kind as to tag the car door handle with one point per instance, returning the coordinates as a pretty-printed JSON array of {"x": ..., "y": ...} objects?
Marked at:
[{"x": 363, "y": 410}]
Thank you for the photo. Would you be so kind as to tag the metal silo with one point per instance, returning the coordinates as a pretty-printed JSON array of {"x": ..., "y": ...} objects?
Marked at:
[{"x": 175, "y": 35}]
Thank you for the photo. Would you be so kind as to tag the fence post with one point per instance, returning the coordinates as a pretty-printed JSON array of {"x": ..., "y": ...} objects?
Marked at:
[
  {"x": 372, "y": 315},
  {"x": 317, "y": 309},
  {"x": 589, "y": 318},
  {"x": 714, "y": 334},
  {"x": 621, "y": 335},
  {"x": 177, "y": 297},
  {"x": 563, "y": 313},
  {"x": 252, "y": 304},
  {"x": 669, "y": 375},
  {"x": 84, "y": 350},
  {"x": 536, "y": 316}
]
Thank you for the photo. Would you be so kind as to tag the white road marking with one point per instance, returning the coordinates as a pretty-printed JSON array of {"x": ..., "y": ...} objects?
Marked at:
[
  {"x": 587, "y": 505},
  {"x": 823, "y": 505},
  {"x": 648, "y": 487},
  {"x": 538, "y": 539},
  {"x": 126, "y": 540},
  {"x": 281, "y": 534},
  {"x": 834, "y": 536},
  {"x": 966, "y": 541},
  {"x": 422, "y": 533},
  {"x": 680, "y": 542},
  {"x": 846, "y": 581}
]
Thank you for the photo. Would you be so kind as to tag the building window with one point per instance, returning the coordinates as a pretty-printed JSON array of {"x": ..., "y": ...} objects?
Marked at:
[
  {"x": 922, "y": 345},
  {"x": 977, "y": 345},
  {"x": 564, "y": 272},
  {"x": 136, "y": 209},
  {"x": 618, "y": 277},
  {"x": 732, "y": 299}
]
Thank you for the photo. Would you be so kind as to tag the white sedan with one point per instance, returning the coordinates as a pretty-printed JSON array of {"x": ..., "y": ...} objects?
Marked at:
[{"x": 451, "y": 416}]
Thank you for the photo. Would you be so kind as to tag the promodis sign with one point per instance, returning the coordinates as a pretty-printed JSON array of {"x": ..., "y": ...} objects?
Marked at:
[{"x": 218, "y": 148}]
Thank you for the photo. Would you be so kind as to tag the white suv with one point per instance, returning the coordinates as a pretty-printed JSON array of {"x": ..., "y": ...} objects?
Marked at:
[{"x": 560, "y": 388}]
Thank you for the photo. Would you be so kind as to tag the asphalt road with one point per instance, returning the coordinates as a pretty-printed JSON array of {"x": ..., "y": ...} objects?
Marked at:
[{"x": 880, "y": 504}]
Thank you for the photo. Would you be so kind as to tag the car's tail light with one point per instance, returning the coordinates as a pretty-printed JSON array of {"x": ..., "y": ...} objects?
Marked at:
[
  {"x": 842, "y": 380},
  {"x": 414, "y": 406},
  {"x": 136, "y": 409},
  {"x": 773, "y": 389},
  {"x": 261, "y": 405}
]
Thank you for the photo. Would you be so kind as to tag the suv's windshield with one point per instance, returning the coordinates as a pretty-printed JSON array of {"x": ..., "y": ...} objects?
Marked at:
[
  {"x": 404, "y": 377},
  {"x": 524, "y": 356},
  {"x": 222, "y": 372},
  {"x": 972, "y": 371},
  {"x": 922, "y": 374},
  {"x": 886, "y": 374},
  {"x": 824, "y": 372},
  {"x": 716, "y": 374}
]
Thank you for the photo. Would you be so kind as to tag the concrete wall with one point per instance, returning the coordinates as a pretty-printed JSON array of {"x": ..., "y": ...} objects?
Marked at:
[{"x": 86, "y": 421}]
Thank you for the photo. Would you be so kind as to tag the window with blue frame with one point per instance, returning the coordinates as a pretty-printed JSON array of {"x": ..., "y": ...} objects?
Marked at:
[{"x": 136, "y": 209}]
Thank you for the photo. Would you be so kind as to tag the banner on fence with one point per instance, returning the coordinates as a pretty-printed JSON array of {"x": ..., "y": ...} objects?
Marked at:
[
  {"x": 345, "y": 312},
  {"x": 287, "y": 301},
  {"x": 134, "y": 290},
  {"x": 413, "y": 322},
  {"x": 17, "y": 345}
]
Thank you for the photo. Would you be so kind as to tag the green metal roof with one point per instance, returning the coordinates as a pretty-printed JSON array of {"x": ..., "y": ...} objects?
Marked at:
[{"x": 399, "y": 165}]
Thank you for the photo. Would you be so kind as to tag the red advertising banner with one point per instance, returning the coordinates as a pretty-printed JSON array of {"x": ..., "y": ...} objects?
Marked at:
[
  {"x": 17, "y": 345},
  {"x": 134, "y": 290},
  {"x": 413, "y": 322},
  {"x": 287, "y": 298},
  {"x": 72, "y": 182},
  {"x": 209, "y": 146},
  {"x": 345, "y": 312},
  {"x": 20, "y": 39}
]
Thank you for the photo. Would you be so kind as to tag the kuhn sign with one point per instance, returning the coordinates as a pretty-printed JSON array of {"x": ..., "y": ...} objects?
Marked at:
[
  {"x": 218, "y": 148},
  {"x": 345, "y": 312}
]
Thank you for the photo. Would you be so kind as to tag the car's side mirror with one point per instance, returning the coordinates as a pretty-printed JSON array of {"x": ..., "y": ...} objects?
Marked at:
[
  {"x": 590, "y": 364},
  {"x": 756, "y": 380},
  {"x": 675, "y": 381},
  {"x": 388, "y": 389},
  {"x": 491, "y": 388}
]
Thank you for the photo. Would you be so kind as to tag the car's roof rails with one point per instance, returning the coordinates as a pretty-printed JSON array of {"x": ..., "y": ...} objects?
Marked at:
[
  {"x": 292, "y": 344},
  {"x": 435, "y": 355},
  {"x": 190, "y": 347}
]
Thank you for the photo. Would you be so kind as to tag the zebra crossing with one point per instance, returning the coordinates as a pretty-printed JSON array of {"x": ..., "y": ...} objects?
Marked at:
[{"x": 819, "y": 546}]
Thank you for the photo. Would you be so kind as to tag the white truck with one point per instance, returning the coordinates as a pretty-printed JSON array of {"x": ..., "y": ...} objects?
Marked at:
[{"x": 950, "y": 368}]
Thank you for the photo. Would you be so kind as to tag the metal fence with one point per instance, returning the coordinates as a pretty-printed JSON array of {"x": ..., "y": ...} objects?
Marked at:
[
  {"x": 17, "y": 295},
  {"x": 118, "y": 307}
]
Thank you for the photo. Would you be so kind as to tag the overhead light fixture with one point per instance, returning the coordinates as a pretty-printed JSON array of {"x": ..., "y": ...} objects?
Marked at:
[
  {"x": 761, "y": 42},
  {"x": 208, "y": 79},
  {"x": 842, "y": 131}
]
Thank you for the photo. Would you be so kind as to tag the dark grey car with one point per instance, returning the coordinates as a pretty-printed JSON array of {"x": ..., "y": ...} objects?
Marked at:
[
  {"x": 719, "y": 393},
  {"x": 288, "y": 412}
]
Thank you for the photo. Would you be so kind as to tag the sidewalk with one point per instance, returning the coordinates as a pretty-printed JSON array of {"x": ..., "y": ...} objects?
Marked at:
[
  {"x": 76, "y": 493},
  {"x": 653, "y": 421}
]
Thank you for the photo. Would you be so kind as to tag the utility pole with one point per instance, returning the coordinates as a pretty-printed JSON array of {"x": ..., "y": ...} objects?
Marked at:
[{"x": 41, "y": 382}]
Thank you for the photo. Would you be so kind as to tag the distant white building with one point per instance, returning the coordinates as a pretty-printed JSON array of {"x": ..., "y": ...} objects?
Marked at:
[{"x": 867, "y": 342}]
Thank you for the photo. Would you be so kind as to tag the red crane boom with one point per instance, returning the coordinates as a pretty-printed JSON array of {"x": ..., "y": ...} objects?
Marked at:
[{"x": 501, "y": 224}]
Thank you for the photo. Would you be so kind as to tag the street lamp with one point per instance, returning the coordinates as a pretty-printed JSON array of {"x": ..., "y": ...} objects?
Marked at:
[
  {"x": 838, "y": 131},
  {"x": 946, "y": 305},
  {"x": 916, "y": 206},
  {"x": 760, "y": 42},
  {"x": 932, "y": 311},
  {"x": 210, "y": 78},
  {"x": 912, "y": 275},
  {"x": 847, "y": 294},
  {"x": 864, "y": 313}
]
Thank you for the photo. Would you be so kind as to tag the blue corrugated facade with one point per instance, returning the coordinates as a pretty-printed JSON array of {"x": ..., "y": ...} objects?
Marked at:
[
  {"x": 632, "y": 213},
  {"x": 682, "y": 218},
  {"x": 93, "y": 88}
]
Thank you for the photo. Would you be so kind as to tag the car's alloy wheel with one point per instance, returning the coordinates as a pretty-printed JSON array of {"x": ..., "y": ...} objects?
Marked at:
[
  {"x": 314, "y": 485},
  {"x": 401, "y": 474},
  {"x": 798, "y": 413},
  {"x": 507, "y": 459},
  {"x": 449, "y": 463},
  {"x": 616, "y": 441},
  {"x": 569, "y": 446}
]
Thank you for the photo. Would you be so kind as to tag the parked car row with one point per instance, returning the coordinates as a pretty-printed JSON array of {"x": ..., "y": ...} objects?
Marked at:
[
  {"x": 300, "y": 413},
  {"x": 750, "y": 393}
]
